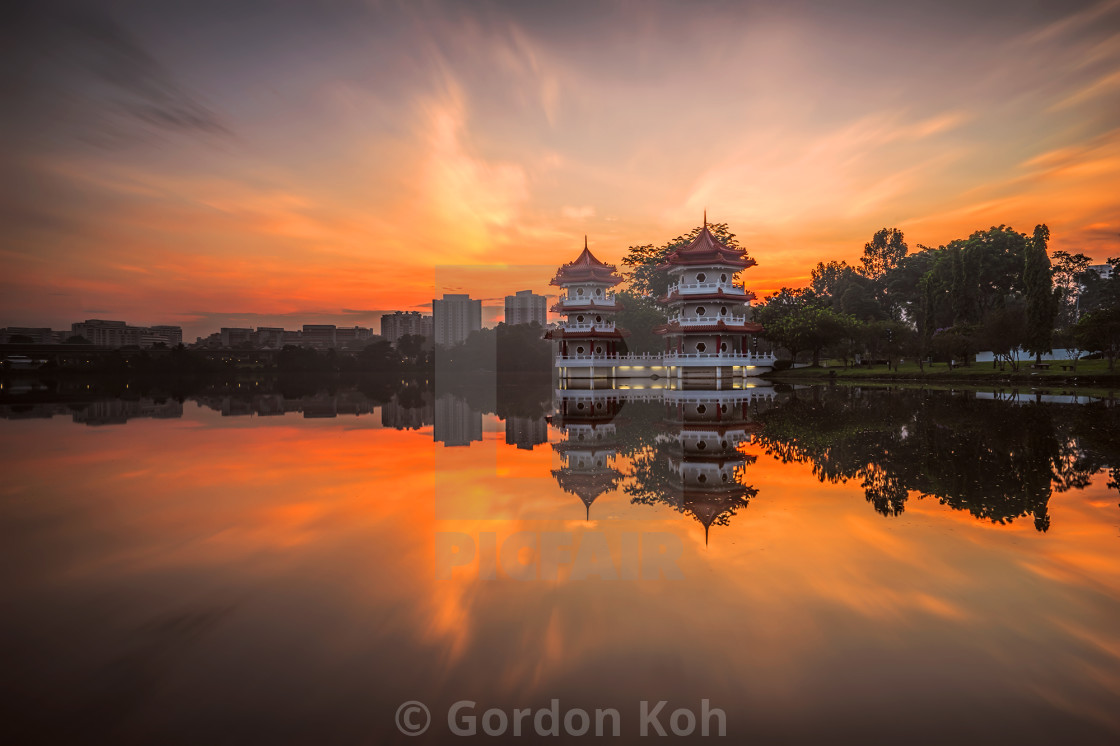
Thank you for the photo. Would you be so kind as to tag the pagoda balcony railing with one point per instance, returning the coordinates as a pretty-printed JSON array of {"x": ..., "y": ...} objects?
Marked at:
[
  {"x": 576, "y": 356},
  {"x": 630, "y": 357},
  {"x": 657, "y": 358},
  {"x": 734, "y": 320},
  {"x": 729, "y": 356},
  {"x": 706, "y": 287},
  {"x": 586, "y": 326},
  {"x": 576, "y": 300}
]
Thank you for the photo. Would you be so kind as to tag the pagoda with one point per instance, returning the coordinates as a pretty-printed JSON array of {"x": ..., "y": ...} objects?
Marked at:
[
  {"x": 706, "y": 466},
  {"x": 588, "y": 334},
  {"x": 586, "y": 454},
  {"x": 707, "y": 334}
]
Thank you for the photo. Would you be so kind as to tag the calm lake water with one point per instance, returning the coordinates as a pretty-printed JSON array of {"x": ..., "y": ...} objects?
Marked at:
[{"x": 826, "y": 565}]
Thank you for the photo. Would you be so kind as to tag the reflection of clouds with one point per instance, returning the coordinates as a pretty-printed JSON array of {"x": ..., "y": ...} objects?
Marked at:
[{"x": 326, "y": 543}]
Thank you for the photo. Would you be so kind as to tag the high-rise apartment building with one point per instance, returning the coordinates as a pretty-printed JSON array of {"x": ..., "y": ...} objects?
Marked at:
[
  {"x": 525, "y": 307},
  {"x": 455, "y": 317},
  {"x": 399, "y": 323}
]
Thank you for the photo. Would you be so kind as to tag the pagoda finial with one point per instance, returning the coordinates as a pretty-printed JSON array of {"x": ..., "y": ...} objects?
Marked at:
[
  {"x": 585, "y": 240},
  {"x": 705, "y": 218}
]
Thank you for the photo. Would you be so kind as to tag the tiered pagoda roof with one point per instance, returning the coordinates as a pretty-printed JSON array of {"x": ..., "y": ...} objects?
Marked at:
[
  {"x": 586, "y": 268},
  {"x": 588, "y": 486},
  {"x": 707, "y": 250},
  {"x": 715, "y": 295}
]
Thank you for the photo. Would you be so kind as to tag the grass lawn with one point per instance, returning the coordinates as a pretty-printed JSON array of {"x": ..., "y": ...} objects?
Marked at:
[{"x": 1088, "y": 371}]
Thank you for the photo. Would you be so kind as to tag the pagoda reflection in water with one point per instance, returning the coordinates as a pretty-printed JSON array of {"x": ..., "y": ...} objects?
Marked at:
[
  {"x": 689, "y": 460},
  {"x": 588, "y": 450}
]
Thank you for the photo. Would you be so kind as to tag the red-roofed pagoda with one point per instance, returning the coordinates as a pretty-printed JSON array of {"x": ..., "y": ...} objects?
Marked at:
[
  {"x": 707, "y": 334},
  {"x": 588, "y": 334}
]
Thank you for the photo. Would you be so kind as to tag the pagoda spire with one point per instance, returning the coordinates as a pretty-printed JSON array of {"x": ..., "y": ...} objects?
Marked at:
[
  {"x": 585, "y": 240},
  {"x": 705, "y": 218}
]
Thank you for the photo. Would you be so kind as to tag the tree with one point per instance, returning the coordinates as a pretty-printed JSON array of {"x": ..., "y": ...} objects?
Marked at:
[
  {"x": 1098, "y": 292},
  {"x": 826, "y": 277},
  {"x": 411, "y": 346},
  {"x": 646, "y": 278},
  {"x": 1042, "y": 302},
  {"x": 809, "y": 329},
  {"x": 1066, "y": 339},
  {"x": 20, "y": 339},
  {"x": 1099, "y": 331},
  {"x": 639, "y": 315},
  {"x": 883, "y": 253},
  {"x": 1068, "y": 270},
  {"x": 1004, "y": 332}
]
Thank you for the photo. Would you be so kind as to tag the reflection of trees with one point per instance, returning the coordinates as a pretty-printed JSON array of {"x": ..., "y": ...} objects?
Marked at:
[{"x": 997, "y": 460}]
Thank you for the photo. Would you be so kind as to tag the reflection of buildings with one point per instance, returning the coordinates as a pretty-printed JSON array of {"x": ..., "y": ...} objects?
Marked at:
[
  {"x": 106, "y": 412},
  {"x": 408, "y": 412},
  {"x": 589, "y": 446},
  {"x": 269, "y": 405},
  {"x": 456, "y": 424},
  {"x": 526, "y": 432},
  {"x": 119, "y": 411},
  {"x": 706, "y": 466}
]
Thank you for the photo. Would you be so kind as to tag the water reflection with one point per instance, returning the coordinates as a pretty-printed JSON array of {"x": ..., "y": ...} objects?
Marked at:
[
  {"x": 996, "y": 457},
  {"x": 180, "y": 579},
  {"x": 589, "y": 443}
]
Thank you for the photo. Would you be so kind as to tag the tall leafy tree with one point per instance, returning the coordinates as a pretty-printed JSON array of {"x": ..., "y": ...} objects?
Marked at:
[
  {"x": 1042, "y": 304},
  {"x": 1068, "y": 270},
  {"x": 883, "y": 252}
]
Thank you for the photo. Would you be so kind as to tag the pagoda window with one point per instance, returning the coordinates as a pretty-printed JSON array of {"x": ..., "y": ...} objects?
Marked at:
[
  {"x": 701, "y": 277},
  {"x": 700, "y": 310},
  {"x": 723, "y": 476},
  {"x": 599, "y": 350},
  {"x": 723, "y": 278},
  {"x": 700, "y": 347},
  {"x": 598, "y": 291},
  {"x": 723, "y": 444},
  {"x": 723, "y": 310},
  {"x": 579, "y": 291},
  {"x": 701, "y": 445},
  {"x": 701, "y": 409},
  {"x": 580, "y": 405},
  {"x": 579, "y": 318},
  {"x": 598, "y": 319},
  {"x": 723, "y": 347},
  {"x": 579, "y": 350},
  {"x": 701, "y": 478}
]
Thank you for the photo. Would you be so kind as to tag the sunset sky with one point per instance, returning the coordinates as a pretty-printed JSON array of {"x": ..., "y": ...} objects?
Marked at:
[{"x": 214, "y": 164}]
